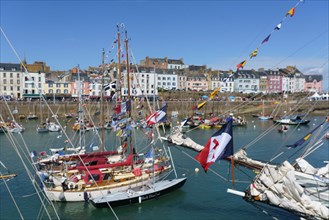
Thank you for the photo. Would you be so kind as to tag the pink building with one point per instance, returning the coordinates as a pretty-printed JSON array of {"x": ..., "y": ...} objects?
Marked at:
[
  {"x": 313, "y": 83},
  {"x": 274, "y": 81},
  {"x": 198, "y": 83}
]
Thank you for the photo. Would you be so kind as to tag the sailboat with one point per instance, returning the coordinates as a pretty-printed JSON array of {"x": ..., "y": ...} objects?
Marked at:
[
  {"x": 156, "y": 165},
  {"x": 264, "y": 116},
  {"x": 42, "y": 127},
  {"x": 296, "y": 186}
]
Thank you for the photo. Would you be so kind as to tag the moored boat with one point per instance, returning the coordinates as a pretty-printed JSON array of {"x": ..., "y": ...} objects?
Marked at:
[{"x": 139, "y": 194}]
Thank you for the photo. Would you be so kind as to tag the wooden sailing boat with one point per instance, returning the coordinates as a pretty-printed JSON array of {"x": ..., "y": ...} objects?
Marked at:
[{"x": 150, "y": 188}]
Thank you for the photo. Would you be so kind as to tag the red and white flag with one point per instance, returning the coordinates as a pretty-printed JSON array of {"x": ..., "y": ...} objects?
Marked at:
[
  {"x": 158, "y": 116},
  {"x": 219, "y": 146}
]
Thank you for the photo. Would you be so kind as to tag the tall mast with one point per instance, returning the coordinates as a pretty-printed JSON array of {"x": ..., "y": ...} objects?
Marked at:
[
  {"x": 80, "y": 109},
  {"x": 128, "y": 75},
  {"x": 128, "y": 84},
  {"x": 119, "y": 67},
  {"x": 102, "y": 104}
]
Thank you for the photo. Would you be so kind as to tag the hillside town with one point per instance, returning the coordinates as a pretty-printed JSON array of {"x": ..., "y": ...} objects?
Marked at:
[{"x": 21, "y": 81}]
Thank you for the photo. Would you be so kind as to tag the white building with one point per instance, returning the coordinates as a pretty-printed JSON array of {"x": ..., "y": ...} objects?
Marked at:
[
  {"x": 246, "y": 81},
  {"x": 142, "y": 83},
  {"x": 11, "y": 80},
  {"x": 34, "y": 84},
  {"x": 223, "y": 80},
  {"x": 167, "y": 81}
]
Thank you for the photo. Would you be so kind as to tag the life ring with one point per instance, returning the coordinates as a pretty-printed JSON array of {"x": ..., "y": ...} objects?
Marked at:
[{"x": 71, "y": 185}]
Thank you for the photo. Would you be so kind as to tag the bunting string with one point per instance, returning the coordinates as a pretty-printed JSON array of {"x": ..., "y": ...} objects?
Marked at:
[{"x": 254, "y": 53}]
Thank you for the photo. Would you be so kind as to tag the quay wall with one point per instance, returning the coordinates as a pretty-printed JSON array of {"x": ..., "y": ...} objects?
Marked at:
[{"x": 183, "y": 107}]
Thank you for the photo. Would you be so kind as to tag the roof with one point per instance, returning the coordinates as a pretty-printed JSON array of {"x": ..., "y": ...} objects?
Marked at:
[
  {"x": 178, "y": 62},
  {"x": 250, "y": 74},
  {"x": 11, "y": 66},
  {"x": 311, "y": 78}
]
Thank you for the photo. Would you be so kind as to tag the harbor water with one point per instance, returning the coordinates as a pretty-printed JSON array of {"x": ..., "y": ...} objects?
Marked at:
[{"x": 204, "y": 196}]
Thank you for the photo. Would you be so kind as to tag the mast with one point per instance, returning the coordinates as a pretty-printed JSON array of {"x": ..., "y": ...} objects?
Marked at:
[
  {"x": 80, "y": 111},
  {"x": 119, "y": 67},
  {"x": 128, "y": 99},
  {"x": 102, "y": 104}
]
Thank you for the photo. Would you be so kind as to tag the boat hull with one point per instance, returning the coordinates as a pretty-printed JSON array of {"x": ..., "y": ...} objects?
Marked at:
[{"x": 126, "y": 198}]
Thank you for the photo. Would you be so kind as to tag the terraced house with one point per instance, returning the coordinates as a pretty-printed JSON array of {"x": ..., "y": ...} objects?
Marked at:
[{"x": 11, "y": 76}]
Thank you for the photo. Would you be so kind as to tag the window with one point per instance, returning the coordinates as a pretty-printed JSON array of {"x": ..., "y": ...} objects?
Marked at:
[
  {"x": 163, "y": 78},
  {"x": 50, "y": 91},
  {"x": 39, "y": 85},
  {"x": 50, "y": 85},
  {"x": 11, "y": 81},
  {"x": 174, "y": 84},
  {"x": 164, "y": 83},
  {"x": 159, "y": 78},
  {"x": 57, "y": 85},
  {"x": 66, "y": 85},
  {"x": 4, "y": 74},
  {"x": 11, "y": 75},
  {"x": 159, "y": 83},
  {"x": 168, "y": 83},
  {"x": 39, "y": 79},
  {"x": 66, "y": 91},
  {"x": 4, "y": 81},
  {"x": 18, "y": 81},
  {"x": 5, "y": 88},
  {"x": 168, "y": 78},
  {"x": 17, "y": 75},
  {"x": 18, "y": 88},
  {"x": 58, "y": 91},
  {"x": 33, "y": 78}
]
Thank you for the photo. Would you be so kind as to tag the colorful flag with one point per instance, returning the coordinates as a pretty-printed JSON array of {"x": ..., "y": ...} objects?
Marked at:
[
  {"x": 278, "y": 27},
  {"x": 117, "y": 109},
  {"x": 201, "y": 105},
  {"x": 183, "y": 123},
  {"x": 266, "y": 39},
  {"x": 33, "y": 154},
  {"x": 305, "y": 138},
  {"x": 150, "y": 154},
  {"x": 219, "y": 146},
  {"x": 242, "y": 64},
  {"x": 158, "y": 116},
  {"x": 291, "y": 12},
  {"x": 212, "y": 95},
  {"x": 254, "y": 53}
]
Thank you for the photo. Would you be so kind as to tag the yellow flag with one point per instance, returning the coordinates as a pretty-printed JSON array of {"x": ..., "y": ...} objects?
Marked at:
[
  {"x": 119, "y": 133},
  {"x": 254, "y": 53},
  {"x": 212, "y": 95},
  {"x": 201, "y": 104},
  {"x": 291, "y": 12}
]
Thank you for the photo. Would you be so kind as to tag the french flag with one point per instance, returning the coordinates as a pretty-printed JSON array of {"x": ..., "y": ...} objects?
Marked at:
[
  {"x": 219, "y": 146},
  {"x": 158, "y": 116}
]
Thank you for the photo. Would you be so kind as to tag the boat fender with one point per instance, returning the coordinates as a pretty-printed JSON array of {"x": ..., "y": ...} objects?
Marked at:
[
  {"x": 85, "y": 196},
  {"x": 71, "y": 185}
]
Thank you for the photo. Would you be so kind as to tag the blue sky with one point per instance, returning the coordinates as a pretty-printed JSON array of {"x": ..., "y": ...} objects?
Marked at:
[{"x": 219, "y": 34}]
